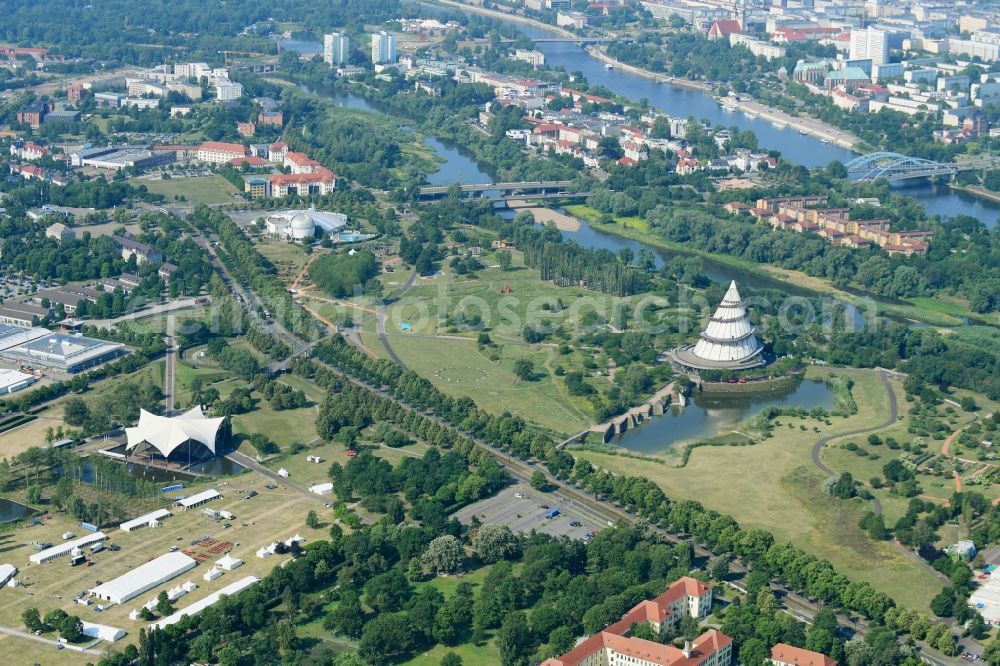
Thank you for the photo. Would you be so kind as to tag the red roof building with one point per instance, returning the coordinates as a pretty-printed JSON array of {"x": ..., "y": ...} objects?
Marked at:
[
  {"x": 249, "y": 161},
  {"x": 614, "y": 645},
  {"x": 220, "y": 153},
  {"x": 723, "y": 28},
  {"x": 321, "y": 181},
  {"x": 300, "y": 163},
  {"x": 247, "y": 129},
  {"x": 786, "y": 655}
]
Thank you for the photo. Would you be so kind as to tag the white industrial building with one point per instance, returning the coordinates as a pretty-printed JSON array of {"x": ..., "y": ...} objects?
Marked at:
[
  {"x": 14, "y": 380},
  {"x": 189, "y": 432},
  {"x": 149, "y": 520},
  {"x": 199, "y": 606},
  {"x": 986, "y": 599},
  {"x": 198, "y": 499},
  {"x": 144, "y": 577},
  {"x": 66, "y": 548}
]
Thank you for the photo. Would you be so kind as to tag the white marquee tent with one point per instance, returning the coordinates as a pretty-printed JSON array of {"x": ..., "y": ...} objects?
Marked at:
[{"x": 166, "y": 434}]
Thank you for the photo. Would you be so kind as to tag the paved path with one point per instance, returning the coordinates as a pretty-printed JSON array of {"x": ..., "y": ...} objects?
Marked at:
[
  {"x": 46, "y": 641},
  {"x": 169, "y": 379},
  {"x": 250, "y": 463},
  {"x": 380, "y": 315}
]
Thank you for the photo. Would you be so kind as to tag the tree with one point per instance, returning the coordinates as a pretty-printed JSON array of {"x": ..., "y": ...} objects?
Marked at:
[
  {"x": 719, "y": 568},
  {"x": 443, "y": 555},
  {"x": 504, "y": 258},
  {"x": 75, "y": 411},
  {"x": 71, "y": 628},
  {"x": 34, "y": 493},
  {"x": 538, "y": 480},
  {"x": 524, "y": 369},
  {"x": 312, "y": 520},
  {"x": 387, "y": 592},
  {"x": 515, "y": 641},
  {"x": 753, "y": 652},
  {"x": 31, "y": 619},
  {"x": 992, "y": 652},
  {"x": 494, "y": 543},
  {"x": 451, "y": 659},
  {"x": 163, "y": 605}
]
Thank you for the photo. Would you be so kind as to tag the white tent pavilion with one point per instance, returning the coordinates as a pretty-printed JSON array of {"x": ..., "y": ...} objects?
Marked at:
[{"x": 165, "y": 434}]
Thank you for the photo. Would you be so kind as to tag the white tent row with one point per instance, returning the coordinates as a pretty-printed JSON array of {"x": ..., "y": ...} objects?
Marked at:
[
  {"x": 199, "y": 498},
  {"x": 67, "y": 547},
  {"x": 199, "y": 606},
  {"x": 151, "y": 519},
  {"x": 7, "y": 571}
]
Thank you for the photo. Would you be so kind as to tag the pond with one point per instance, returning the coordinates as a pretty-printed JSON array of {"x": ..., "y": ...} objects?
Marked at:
[
  {"x": 711, "y": 415},
  {"x": 11, "y": 510}
]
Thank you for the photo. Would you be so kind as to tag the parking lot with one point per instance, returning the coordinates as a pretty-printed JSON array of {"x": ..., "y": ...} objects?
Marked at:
[{"x": 523, "y": 509}]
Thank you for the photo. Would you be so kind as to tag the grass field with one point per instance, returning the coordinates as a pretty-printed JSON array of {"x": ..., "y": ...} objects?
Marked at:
[
  {"x": 288, "y": 258},
  {"x": 22, "y": 438},
  {"x": 273, "y": 514},
  {"x": 774, "y": 485},
  {"x": 458, "y": 368},
  {"x": 593, "y": 216},
  {"x": 201, "y": 189}
]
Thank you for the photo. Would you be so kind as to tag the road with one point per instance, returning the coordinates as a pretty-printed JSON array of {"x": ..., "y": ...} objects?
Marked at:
[
  {"x": 250, "y": 463},
  {"x": 47, "y": 641},
  {"x": 893, "y": 416},
  {"x": 169, "y": 379},
  {"x": 147, "y": 312}
]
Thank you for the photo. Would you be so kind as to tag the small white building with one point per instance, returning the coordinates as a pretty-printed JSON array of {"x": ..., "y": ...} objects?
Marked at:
[
  {"x": 228, "y": 562},
  {"x": 322, "y": 488},
  {"x": 7, "y": 571},
  {"x": 198, "y": 606},
  {"x": 212, "y": 574},
  {"x": 283, "y": 473}
]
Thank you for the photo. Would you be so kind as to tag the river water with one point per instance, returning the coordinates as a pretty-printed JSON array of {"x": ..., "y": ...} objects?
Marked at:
[
  {"x": 684, "y": 102},
  {"x": 711, "y": 415}
]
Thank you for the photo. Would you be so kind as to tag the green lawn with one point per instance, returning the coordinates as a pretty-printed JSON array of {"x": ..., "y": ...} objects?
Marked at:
[
  {"x": 593, "y": 216},
  {"x": 459, "y": 369},
  {"x": 202, "y": 189},
  {"x": 774, "y": 485},
  {"x": 282, "y": 427}
]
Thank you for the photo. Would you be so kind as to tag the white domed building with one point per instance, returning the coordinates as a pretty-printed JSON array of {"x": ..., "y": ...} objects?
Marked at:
[
  {"x": 302, "y": 225},
  {"x": 729, "y": 342}
]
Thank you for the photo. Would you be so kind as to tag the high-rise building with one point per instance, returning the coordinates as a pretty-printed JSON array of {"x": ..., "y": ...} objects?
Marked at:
[
  {"x": 870, "y": 44},
  {"x": 383, "y": 48},
  {"x": 336, "y": 48}
]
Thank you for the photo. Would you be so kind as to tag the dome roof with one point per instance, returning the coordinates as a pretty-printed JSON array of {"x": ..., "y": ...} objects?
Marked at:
[{"x": 303, "y": 222}]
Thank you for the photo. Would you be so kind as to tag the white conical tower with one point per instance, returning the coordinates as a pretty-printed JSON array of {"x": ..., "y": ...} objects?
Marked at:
[{"x": 729, "y": 340}]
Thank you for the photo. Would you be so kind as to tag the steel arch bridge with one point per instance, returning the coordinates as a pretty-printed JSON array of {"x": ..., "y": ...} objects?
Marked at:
[{"x": 894, "y": 166}]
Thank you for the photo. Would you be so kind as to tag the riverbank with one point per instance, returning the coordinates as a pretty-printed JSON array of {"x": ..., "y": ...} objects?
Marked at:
[
  {"x": 902, "y": 311},
  {"x": 543, "y": 216},
  {"x": 602, "y": 55},
  {"x": 811, "y": 126},
  {"x": 514, "y": 18},
  {"x": 975, "y": 190}
]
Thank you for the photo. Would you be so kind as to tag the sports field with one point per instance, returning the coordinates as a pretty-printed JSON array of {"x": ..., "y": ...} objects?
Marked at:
[{"x": 199, "y": 189}]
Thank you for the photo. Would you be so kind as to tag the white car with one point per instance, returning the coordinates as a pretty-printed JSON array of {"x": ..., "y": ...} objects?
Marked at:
[{"x": 518, "y": 495}]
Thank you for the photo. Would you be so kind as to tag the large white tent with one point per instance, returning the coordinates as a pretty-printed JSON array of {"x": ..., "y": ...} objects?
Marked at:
[
  {"x": 166, "y": 434},
  {"x": 144, "y": 577}
]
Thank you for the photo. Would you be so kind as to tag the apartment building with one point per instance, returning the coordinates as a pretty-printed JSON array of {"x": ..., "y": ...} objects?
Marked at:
[{"x": 218, "y": 152}]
